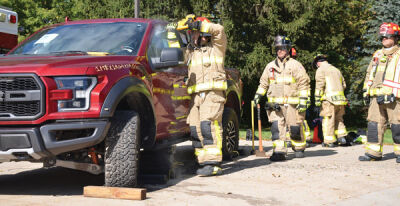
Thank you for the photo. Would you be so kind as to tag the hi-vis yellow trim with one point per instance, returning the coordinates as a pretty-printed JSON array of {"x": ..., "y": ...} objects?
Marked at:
[
  {"x": 212, "y": 85},
  {"x": 98, "y": 53},
  {"x": 304, "y": 93},
  {"x": 306, "y": 130},
  {"x": 171, "y": 35},
  {"x": 205, "y": 27},
  {"x": 298, "y": 144},
  {"x": 396, "y": 148},
  {"x": 174, "y": 44},
  {"x": 284, "y": 100},
  {"x": 337, "y": 98},
  {"x": 208, "y": 151},
  {"x": 207, "y": 60},
  {"x": 261, "y": 91},
  {"x": 163, "y": 91},
  {"x": 341, "y": 132},
  {"x": 380, "y": 91},
  {"x": 218, "y": 134},
  {"x": 279, "y": 144},
  {"x": 280, "y": 80},
  {"x": 373, "y": 147},
  {"x": 179, "y": 98},
  {"x": 179, "y": 86},
  {"x": 181, "y": 117},
  {"x": 318, "y": 92},
  {"x": 330, "y": 138}
]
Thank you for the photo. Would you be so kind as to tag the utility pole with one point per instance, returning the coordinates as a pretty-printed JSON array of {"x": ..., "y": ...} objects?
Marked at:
[{"x": 137, "y": 8}]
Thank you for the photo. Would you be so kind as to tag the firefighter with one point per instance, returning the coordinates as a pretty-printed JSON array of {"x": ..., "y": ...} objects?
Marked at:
[
  {"x": 287, "y": 86},
  {"x": 206, "y": 84},
  {"x": 329, "y": 95},
  {"x": 381, "y": 93}
]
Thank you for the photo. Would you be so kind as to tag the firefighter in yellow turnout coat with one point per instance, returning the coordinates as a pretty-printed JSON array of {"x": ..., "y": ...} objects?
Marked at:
[
  {"x": 206, "y": 84},
  {"x": 287, "y": 86},
  {"x": 382, "y": 93},
  {"x": 329, "y": 94}
]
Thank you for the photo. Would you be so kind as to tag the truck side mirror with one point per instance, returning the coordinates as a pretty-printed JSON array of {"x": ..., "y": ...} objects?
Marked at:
[{"x": 170, "y": 57}]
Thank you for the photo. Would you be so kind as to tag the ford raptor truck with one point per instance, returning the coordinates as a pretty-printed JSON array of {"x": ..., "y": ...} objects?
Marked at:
[{"x": 92, "y": 94}]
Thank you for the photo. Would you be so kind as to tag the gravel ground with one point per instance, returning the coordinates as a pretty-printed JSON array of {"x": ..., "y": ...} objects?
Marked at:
[{"x": 327, "y": 176}]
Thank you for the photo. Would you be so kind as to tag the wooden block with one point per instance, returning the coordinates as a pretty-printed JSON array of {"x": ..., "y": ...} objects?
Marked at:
[{"x": 115, "y": 192}]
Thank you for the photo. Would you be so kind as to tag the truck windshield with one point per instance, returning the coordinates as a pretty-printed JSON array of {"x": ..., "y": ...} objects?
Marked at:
[{"x": 118, "y": 38}]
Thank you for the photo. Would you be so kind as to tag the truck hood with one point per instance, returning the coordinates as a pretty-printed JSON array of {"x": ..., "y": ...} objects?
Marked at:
[{"x": 59, "y": 65}]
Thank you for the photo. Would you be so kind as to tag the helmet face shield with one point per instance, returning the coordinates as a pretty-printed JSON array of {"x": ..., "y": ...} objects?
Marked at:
[{"x": 285, "y": 48}]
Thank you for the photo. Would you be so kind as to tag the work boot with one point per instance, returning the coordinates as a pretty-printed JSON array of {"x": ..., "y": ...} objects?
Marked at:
[
  {"x": 368, "y": 157},
  {"x": 209, "y": 170},
  {"x": 341, "y": 141},
  {"x": 331, "y": 145},
  {"x": 398, "y": 159},
  {"x": 277, "y": 157},
  {"x": 299, "y": 154}
]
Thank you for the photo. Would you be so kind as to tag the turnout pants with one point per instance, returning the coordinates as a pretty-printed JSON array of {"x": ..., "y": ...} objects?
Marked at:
[
  {"x": 378, "y": 115},
  {"x": 332, "y": 122},
  {"x": 205, "y": 118},
  {"x": 287, "y": 120}
]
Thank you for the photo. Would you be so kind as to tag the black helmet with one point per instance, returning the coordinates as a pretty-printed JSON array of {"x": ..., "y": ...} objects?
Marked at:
[
  {"x": 319, "y": 58},
  {"x": 282, "y": 42}
]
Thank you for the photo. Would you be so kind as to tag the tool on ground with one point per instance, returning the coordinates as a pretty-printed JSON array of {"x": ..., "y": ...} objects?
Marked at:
[
  {"x": 260, "y": 152},
  {"x": 252, "y": 129}
]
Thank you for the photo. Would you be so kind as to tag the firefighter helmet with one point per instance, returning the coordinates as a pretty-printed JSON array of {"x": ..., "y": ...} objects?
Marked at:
[
  {"x": 319, "y": 58},
  {"x": 203, "y": 19},
  {"x": 282, "y": 42},
  {"x": 388, "y": 30}
]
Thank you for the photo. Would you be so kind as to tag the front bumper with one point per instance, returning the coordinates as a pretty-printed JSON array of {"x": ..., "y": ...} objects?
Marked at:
[{"x": 41, "y": 142}]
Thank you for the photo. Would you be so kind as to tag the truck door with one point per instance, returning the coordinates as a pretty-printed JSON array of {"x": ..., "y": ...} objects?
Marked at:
[{"x": 171, "y": 100}]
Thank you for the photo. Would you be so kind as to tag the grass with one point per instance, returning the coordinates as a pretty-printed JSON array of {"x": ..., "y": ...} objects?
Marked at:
[{"x": 266, "y": 135}]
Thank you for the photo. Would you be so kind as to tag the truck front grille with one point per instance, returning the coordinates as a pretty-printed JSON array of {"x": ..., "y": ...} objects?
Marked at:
[{"x": 21, "y": 97}]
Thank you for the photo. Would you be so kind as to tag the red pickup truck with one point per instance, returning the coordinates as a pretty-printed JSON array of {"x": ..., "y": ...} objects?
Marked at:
[{"x": 92, "y": 94}]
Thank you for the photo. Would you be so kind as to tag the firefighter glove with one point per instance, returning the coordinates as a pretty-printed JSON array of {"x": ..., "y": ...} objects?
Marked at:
[
  {"x": 256, "y": 99},
  {"x": 366, "y": 99},
  {"x": 194, "y": 25}
]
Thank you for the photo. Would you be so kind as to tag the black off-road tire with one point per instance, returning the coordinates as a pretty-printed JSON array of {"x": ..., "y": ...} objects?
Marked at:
[
  {"x": 230, "y": 139},
  {"x": 122, "y": 150}
]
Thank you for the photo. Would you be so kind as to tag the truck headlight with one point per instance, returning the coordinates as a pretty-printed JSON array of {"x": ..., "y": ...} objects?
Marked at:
[{"x": 81, "y": 88}]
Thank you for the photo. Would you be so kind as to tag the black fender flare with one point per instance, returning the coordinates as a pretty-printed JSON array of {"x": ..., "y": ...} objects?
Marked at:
[{"x": 122, "y": 88}]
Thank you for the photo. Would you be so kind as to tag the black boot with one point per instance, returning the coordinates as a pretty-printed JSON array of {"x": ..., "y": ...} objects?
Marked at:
[
  {"x": 299, "y": 154},
  {"x": 342, "y": 141},
  {"x": 368, "y": 157},
  {"x": 398, "y": 159},
  {"x": 277, "y": 157},
  {"x": 209, "y": 170},
  {"x": 331, "y": 145}
]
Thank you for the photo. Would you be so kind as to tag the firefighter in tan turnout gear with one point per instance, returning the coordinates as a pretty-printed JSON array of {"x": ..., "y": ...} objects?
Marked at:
[
  {"x": 382, "y": 92},
  {"x": 287, "y": 86},
  {"x": 206, "y": 84},
  {"x": 329, "y": 95}
]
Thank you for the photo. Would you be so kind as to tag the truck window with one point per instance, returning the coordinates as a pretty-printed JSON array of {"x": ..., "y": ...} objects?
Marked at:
[{"x": 118, "y": 38}]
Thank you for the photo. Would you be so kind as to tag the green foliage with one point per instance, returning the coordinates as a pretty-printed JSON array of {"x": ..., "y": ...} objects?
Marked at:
[{"x": 343, "y": 29}]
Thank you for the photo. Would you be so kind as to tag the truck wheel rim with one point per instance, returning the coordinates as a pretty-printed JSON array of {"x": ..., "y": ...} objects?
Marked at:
[{"x": 230, "y": 136}]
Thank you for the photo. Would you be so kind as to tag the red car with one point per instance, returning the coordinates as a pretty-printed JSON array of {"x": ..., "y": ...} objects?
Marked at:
[{"x": 90, "y": 95}]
